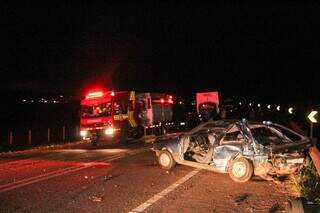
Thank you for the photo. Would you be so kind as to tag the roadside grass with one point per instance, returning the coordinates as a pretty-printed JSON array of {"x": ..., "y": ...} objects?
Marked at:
[{"x": 307, "y": 182}]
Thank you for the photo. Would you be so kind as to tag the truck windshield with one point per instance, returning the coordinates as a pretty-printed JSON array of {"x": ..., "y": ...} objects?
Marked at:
[{"x": 98, "y": 110}]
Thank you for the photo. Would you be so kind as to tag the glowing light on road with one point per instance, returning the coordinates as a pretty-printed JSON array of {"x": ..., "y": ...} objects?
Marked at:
[
  {"x": 269, "y": 106},
  {"x": 240, "y": 103},
  {"x": 290, "y": 110},
  {"x": 180, "y": 102},
  {"x": 250, "y": 104},
  {"x": 259, "y": 105},
  {"x": 278, "y": 108}
]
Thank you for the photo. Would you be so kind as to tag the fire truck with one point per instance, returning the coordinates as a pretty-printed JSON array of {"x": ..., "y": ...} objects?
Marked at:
[
  {"x": 207, "y": 104},
  {"x": 122, "y": 115}
]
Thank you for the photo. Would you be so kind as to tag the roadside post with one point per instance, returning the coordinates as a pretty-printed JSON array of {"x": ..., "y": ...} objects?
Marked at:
[
  {"x": 312, "y": 120},
  {"x": 11, "y": 138},
  {"x": 313, "y": 151},
  {"x": 29, "y": 137},
  {"x": 49, "y": 134}
]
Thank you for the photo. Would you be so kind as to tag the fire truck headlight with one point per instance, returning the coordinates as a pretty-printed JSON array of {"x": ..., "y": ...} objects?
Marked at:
[
  {"x": 83, "y": 133},
  {"x": 109, "y": 131}
]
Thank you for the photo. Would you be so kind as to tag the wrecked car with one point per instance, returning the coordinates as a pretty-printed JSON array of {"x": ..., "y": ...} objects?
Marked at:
[{"x": 237, "y": 147}]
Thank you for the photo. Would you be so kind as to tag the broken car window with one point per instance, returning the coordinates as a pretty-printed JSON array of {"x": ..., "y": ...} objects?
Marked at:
[{"x": 265, "y": 136}]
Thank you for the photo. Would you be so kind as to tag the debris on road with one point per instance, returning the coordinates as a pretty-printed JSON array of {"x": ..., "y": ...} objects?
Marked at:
[{"x": 96, "y": 198}]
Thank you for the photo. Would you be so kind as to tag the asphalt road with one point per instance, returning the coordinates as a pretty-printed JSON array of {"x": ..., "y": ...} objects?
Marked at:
[{"x": 124, "y": 178}]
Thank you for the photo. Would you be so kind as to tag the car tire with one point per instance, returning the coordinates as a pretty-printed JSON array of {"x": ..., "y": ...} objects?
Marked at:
[
  {"x": 240, "y": 170},
  {"x": 124, "y": 132},
  {"x": 166, "y": 160},
  {"x": 139, "y": 132},
  {"x": 94, "y": 143}
]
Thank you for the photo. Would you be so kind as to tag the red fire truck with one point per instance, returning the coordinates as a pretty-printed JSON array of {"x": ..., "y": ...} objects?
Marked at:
[
  {"x": 122, "y": 115},
  {"x": 207, "y": 104}
]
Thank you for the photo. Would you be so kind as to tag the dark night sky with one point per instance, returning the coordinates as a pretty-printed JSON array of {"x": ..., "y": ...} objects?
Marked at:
[{"x": 268, "y": 51}]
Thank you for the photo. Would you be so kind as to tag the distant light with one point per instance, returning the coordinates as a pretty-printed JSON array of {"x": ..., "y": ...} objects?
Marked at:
[
  {"x": 61, "y": 96},
  {"x": 170, "y": 96},
  {"x": 278, "y": 108},
  {"x": 24, "y": 100},
  {"x": 31, "y": 101},
  {"x": 250, "y": 104},
  {"x": 269, "y": 106},
  {"x": 240, "y": 103},
  {"x": 112, "y": 93},
  {"x": 182, "y": 123},
  {"x": 259, "y": 105},
  {"x": 45, "y": 101},
  {"x": 180, "y": 102},
  {"x": 55, "y": 102},
  {"x": 170, "y": 101},
  {"x": 290, "y": 110},
  {"x": 162, "y": 100}
]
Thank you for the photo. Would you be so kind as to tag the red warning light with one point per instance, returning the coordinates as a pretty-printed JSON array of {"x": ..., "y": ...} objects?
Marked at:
[
  {"x": 162, "y": 100},
  {"x": 94, "y": 95}
]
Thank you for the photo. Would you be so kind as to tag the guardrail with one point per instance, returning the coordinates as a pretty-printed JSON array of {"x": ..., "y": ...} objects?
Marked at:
[{"x": 16, "y": 139}]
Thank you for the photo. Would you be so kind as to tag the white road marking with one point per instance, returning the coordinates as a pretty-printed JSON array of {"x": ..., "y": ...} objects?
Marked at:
[
  {"x": 163, "y": 193},
  {"x": 42, "y": 177}
]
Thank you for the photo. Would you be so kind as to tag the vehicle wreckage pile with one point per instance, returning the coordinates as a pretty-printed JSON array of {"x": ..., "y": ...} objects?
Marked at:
[{"x": 237, "y": 147}]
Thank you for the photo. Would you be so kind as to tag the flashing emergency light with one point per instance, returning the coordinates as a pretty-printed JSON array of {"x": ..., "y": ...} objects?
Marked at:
[{"x": 94, "y": 95}]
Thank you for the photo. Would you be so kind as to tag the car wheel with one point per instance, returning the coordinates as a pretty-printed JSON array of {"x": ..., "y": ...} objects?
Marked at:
[
  {"x": 94, "y": 142},
  {"x": 240, "y": 170},
  {"x": 166, "y": 160},
  {"x": 124, "y": 134}
]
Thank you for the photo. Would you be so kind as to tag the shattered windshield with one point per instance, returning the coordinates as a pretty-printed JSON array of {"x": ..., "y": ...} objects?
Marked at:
[
  {"x": 287, "y": 133},
  {"x": 98, "y": 110}
]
